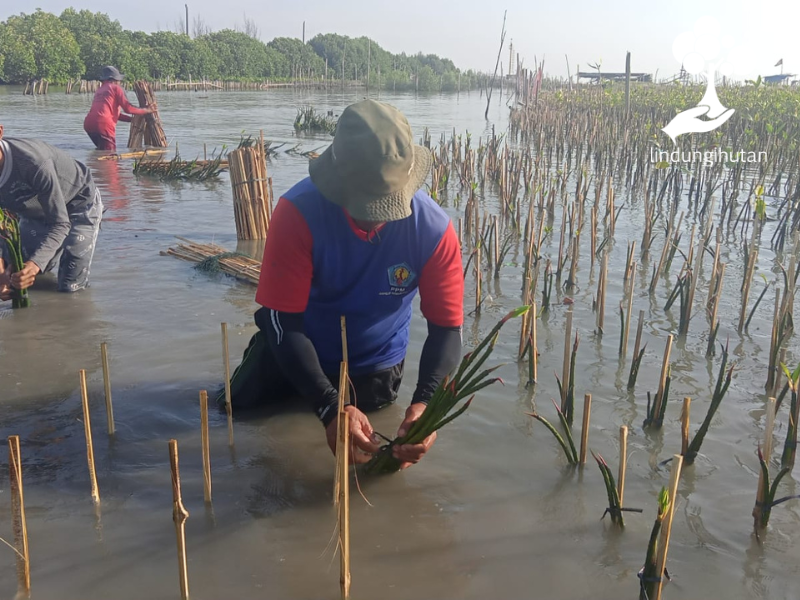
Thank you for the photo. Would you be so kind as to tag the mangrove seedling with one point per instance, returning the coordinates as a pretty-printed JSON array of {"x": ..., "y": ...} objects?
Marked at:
[
  {"x": 649, "y": 576},
  {"x": 723, "y": 383},
  {"x": 567, "y": 445},
  {"x": 451, "y": 391},
  {"x": 763, "y": 508},
  {"x": 637, "y": 361},
  {"x": 9, "y": 233},
  {"x": 615, "y": 508},
  {"x": 790, "y": 446},
  {"x": 309, "y": 121},
  {"x": 568, "y": 407},
  {"x": 653, "y": 419}
]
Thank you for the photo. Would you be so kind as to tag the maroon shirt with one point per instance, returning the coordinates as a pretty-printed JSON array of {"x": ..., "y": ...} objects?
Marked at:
[{"x": 109, "y": 101}]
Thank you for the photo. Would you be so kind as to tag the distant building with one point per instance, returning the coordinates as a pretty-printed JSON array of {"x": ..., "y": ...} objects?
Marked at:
[{"x": 782, "y": 79}]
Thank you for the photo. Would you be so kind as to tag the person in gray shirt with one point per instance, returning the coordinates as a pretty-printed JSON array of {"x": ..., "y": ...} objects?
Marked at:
[{"x": 59, "y": 210}]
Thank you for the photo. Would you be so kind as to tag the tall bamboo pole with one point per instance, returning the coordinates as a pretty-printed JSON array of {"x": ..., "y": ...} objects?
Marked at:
[
  {"x": 623, "y": 462},
  {"x": 107, "y": 388},
  {"x": 18, "y": 517},
  {"x": 87, "y": 429},
  {"x": 179, "y": 516},
  {"x": 226, "y": 362},
  {"x": 666, "y": 529},
  {"x": 206, "y": 447}
]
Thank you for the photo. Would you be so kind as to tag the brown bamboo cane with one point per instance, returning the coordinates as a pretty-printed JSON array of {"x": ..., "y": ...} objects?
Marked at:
[
  {"x": 623, "y": 462},
  {"x": 566, "y": 367},
  {"x": 601, "y": 293},
  {"x": 107, "y": 388},
  {"x": 779, "y": 371},
  {"x": 666, "y": 529},
  {"x": 478, "y": 290},
  {"x": 774, "y": 340},
  {"x": 524, "y": 331},
  {"x": 663, "y": 379},
  {"x": 179, "y": 516},
  {"x": 767, "y": 454},
  {"x": 206, "y": 447},
  {"x": 714, "y": 270},
  {"x": 629, "y": 313},
  {"x": 344, "y": 392},
  {"x": 687, "y": 402},
  {"x": 343, "y": 461},
  {"x": 748, "y": 279},
  {"x": 716, "y": 298},
  {"x": 587, "y": 411},
  {"x": 534, "y": 346},
  {"x": 226, "y": 363},
  {"x": 18, "y": 517},
  {"x": 87, "y": 429}
]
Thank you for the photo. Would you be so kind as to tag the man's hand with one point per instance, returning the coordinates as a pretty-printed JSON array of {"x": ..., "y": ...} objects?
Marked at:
[
  {"x": 25, "y": 277},
  {"x": 361, "y": 436},
  {"x": 5, "y": 282},
  {"x": 411, "y": 454}
]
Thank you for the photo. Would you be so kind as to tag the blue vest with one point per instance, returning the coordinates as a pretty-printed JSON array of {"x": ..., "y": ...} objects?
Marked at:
[{"x": 371, "y": 283}]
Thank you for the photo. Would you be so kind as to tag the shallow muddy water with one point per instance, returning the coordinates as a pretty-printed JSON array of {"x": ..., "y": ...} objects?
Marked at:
[{"x": 492, "y": 512}]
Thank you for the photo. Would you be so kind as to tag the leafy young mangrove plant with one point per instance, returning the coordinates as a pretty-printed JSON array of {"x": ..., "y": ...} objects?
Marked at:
[
  {"x": 649, "y": 576},
  {"x": 467, "y": 380},
  {"x": 790, "y": 446},
  {"x": 723, "y": 383},
  {"x": 569, "y": 445},
  {"x": 9, "y": 233},
  {"x": 763, "y": 509}
]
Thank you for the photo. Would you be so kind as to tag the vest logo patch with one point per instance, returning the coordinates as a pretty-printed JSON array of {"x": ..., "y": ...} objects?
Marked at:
[{"x": 400, "y": 278}]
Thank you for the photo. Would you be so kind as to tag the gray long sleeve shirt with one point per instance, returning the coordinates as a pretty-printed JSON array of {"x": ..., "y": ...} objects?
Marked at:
[{"x": 42, "y": 183}]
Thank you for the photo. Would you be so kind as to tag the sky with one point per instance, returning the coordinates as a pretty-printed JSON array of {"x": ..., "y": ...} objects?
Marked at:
[{"x": 754, "y": 34}]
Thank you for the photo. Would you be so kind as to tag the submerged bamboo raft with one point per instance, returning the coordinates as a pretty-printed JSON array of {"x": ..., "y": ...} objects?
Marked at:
[{"x": 213, "y": 258}]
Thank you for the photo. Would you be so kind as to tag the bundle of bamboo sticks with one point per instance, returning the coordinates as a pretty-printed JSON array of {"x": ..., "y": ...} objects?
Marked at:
[
  {"x": 146, "y": 130},
  {"x": 231, "y": 263},
  {"x": 252, "y": 201}
]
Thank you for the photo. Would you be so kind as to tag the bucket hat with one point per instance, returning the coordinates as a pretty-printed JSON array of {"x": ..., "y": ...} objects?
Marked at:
[
  {"x": 110, "y": 72},
  {"x": 373, "y": 168}
]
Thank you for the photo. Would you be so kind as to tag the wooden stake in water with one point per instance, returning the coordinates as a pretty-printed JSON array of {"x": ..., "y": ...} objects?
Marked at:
[
  {"x": 587, "y": 411},
  {"x": 666, "y": 529},
  {"x": 226, "y": 362},
  {"x": 623, "y": 351},
  {"x": 87, "y": 428},
  {"x": 566, "y": 367},
  {"x": 107, "y": 388},
  {"x": 623, "y": 462},
  {"x": 206, "y": 447},
  {"x": 344, "y": 393},
  {"x": 687, "y": 402},
  {"x": 179, "y": 516},
  {"x": 601, "y": 293},
  {"x": 18, "y": 517},
  {"x": 343, "y": 461},
  {"x": 534, "y": 346}
]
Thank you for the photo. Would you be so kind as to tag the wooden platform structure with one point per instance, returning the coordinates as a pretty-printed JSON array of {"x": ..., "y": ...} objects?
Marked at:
[{"x": 608, "y": 76}]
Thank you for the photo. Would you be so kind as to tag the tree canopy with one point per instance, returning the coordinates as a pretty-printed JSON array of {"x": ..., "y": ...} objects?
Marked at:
[{"x": 78, "y": 43}]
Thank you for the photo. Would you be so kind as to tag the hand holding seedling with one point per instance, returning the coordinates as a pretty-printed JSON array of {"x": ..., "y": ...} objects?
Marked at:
[
  {"x": 410, "y": 454},
  {"x": 25, "y": 277},
  {"x": 361, "y": 434}
]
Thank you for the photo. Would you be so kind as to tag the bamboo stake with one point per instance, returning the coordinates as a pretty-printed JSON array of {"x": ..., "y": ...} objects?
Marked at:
[
  {"x": 767, "y": 453},
  {"x": 107, "y": 388},
  {"x": 343, "y": 461},
  {"x": 566, "y": 368},
  {"x": 638, "y": 341},
  {"x": 206, "y": 447},
  {"x": 534, "y": 347},
  {"x": 666, "y": 530},
  {"x": 624, "y": 347},
  {"x": 623, "y": 462},
  {"x": 663, "y": 380},
  {"x": 748, "y": 280},
  {"x": 685, "y": 425},
  {"x": 18, "y": 516},
  {"x": 601, "y": 293},
  {"x": 87, "y": 428},
  {"x": 179, "y": 516},
  {"x": 587, "y": 411},
  {"x": 226, "y": 361}
]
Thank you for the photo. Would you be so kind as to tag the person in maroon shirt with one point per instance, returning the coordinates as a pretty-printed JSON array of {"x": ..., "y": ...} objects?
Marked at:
[{"x": 108, "y": 107}]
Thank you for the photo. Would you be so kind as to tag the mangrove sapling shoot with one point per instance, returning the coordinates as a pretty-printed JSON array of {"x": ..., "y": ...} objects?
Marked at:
[
  {"x": 464, "y": 384},
  {"x": 657, "y": 410},
  {"x": 649, "y": 575},
  {"x": 615, "y": 508},
  {"x": 568, "y": 393},
  {"x": 567, "y": 445},
  {"x": 723, "y": 383},
  {"x": 666, "y": 530},
  {"x": 9, "y": 233},
  {"x": 638, "y": 353}
]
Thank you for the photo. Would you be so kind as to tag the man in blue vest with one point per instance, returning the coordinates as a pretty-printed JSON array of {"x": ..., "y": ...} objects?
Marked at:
[{"x": 357, "y": 238}]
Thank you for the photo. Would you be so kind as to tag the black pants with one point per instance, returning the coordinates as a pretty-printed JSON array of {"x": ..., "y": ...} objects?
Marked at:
[{"x": 259, "y": 381}]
